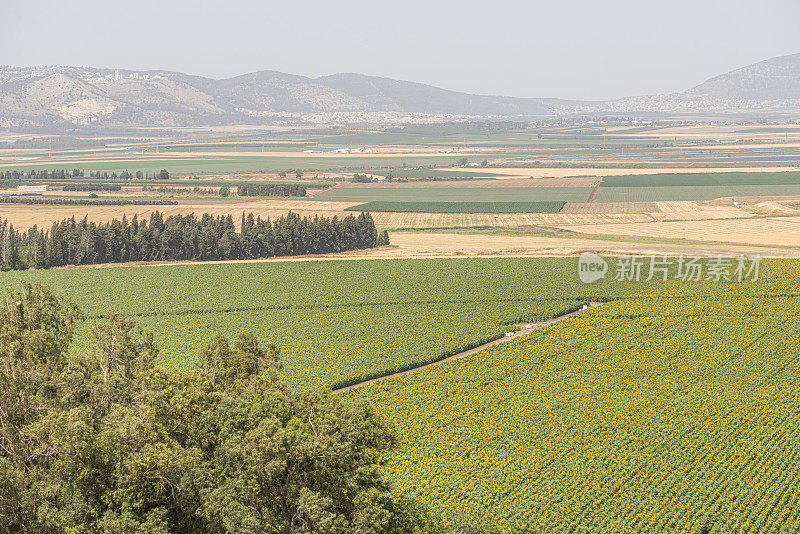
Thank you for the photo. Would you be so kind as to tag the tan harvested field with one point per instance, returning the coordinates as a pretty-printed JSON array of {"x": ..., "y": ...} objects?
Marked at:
[
  {"x": 691, "y": 210},
  {"x": 495, "y": 220},
  {"x": 777, "y": 231},
  {"x": 25, "y": 216},
  {"x": 753, "y": 202},
  {"x": 583, "y": 214},
  {"x": 688, "y": 210},
  {"x": 423, "y": 244},
  {"x": 772, "y": 207},
  {"x": 418, "y": 245},
  {"x": 611, "y": 207}
]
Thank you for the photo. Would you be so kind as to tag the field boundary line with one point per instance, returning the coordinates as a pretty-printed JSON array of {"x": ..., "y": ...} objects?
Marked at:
[
  {"x": 504, "y": 339},
  {"x": 318, "y": 305},
  {"x": 593, "y": 194}
]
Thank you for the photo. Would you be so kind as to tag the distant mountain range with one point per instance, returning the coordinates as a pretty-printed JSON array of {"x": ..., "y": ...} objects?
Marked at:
[
  {"x": 774, "y": 79},
  {"x": 68, "y": 96}
]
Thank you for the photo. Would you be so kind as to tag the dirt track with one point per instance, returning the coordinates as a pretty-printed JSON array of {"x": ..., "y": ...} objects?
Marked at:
[
  {"x": 427, "y": 245},
  {"x": 527, "y": 330}
]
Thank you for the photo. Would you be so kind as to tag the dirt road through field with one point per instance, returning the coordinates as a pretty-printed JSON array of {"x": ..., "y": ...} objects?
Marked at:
[{"x": 524, "y": 331}]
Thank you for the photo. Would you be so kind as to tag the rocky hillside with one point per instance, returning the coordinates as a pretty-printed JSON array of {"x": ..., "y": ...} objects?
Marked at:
[
  {"x": 72, "y": 95},
  {"x": 774, "y": 79},
  {"x": 68, "y": 96}
]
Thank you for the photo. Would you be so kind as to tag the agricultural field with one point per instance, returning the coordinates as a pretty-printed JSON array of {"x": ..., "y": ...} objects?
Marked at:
[
  {"x": 778, "y": 231},
  {"x": 460, "y": 207},
  {"x": 460, "y": 194},
  {"x": 26, "y": 216},
  {"x": 703, "y": 179},
  {"x": 204, "y": 164},
  {"x": 696, "y": 192},
  {"x": 335, "y": 322},
  {"x": 675, "y": 409},
  {"x": 599, "y": 175},
  {"x": 670, "y": 408}
]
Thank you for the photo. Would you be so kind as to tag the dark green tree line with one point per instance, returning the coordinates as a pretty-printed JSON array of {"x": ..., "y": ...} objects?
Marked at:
[
  {"x": 271, "y": 190},
  {"x": 33, "y": 174},
  {"x": 189, "y": 238},
  {"x": 92, "y": 187}
]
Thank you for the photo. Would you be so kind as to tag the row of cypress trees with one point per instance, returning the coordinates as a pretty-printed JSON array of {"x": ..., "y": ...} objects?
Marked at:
[{"x": 185, "y": 238}]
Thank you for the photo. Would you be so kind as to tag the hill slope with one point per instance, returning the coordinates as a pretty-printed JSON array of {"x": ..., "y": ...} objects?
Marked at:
[
  {"x": 395, "y": 95},
  {"x": 62, "y": 96},
  {"x": 774, "y": 79},
  {"x": 56, "y": 95}
]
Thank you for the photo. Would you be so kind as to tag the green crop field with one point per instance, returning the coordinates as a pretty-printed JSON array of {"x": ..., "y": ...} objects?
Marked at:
[
  {"x": 242, "y": 164},
  {"x": 698, "y": 192},
  {"x": 461, "y": 207},
  {"x": 457, "y": 194},
  {"x": 334, "y": 321},
  {"x": 703, "y": 179},
  {"x": 669, "y": 411}
]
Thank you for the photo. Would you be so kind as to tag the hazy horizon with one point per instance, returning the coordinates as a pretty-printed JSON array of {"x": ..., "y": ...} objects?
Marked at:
[{"x": 583, "y": 50}]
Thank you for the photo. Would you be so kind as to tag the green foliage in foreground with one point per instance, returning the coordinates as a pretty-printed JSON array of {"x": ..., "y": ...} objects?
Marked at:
[
  {"x": 104, "y": 442},
  {"x": 460, "y": 207},
  {"x": 703, "y": 179}
]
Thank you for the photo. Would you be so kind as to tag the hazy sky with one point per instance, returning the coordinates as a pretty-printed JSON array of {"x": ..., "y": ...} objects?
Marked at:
[{"x": 587, "y": 49}]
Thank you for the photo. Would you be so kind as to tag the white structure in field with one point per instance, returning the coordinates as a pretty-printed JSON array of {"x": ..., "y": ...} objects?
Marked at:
[{"x": 33, "y": 188}]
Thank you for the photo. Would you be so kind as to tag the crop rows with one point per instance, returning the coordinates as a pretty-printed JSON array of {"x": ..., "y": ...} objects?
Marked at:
[
  {"x": 697, "y": 192},
  {"x": 703, "y": 179},
  {"x": 368, "y": 193},
  {"x": 335, "y": 322},
  {"x": 669, "y": 412},
  {"x": 460, "y": 207}
]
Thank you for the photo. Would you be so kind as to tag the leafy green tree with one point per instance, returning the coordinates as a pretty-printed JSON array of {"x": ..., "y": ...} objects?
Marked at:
[
  {"x": 361, "y": 179},
  {"x": 107, "y": 442}
]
